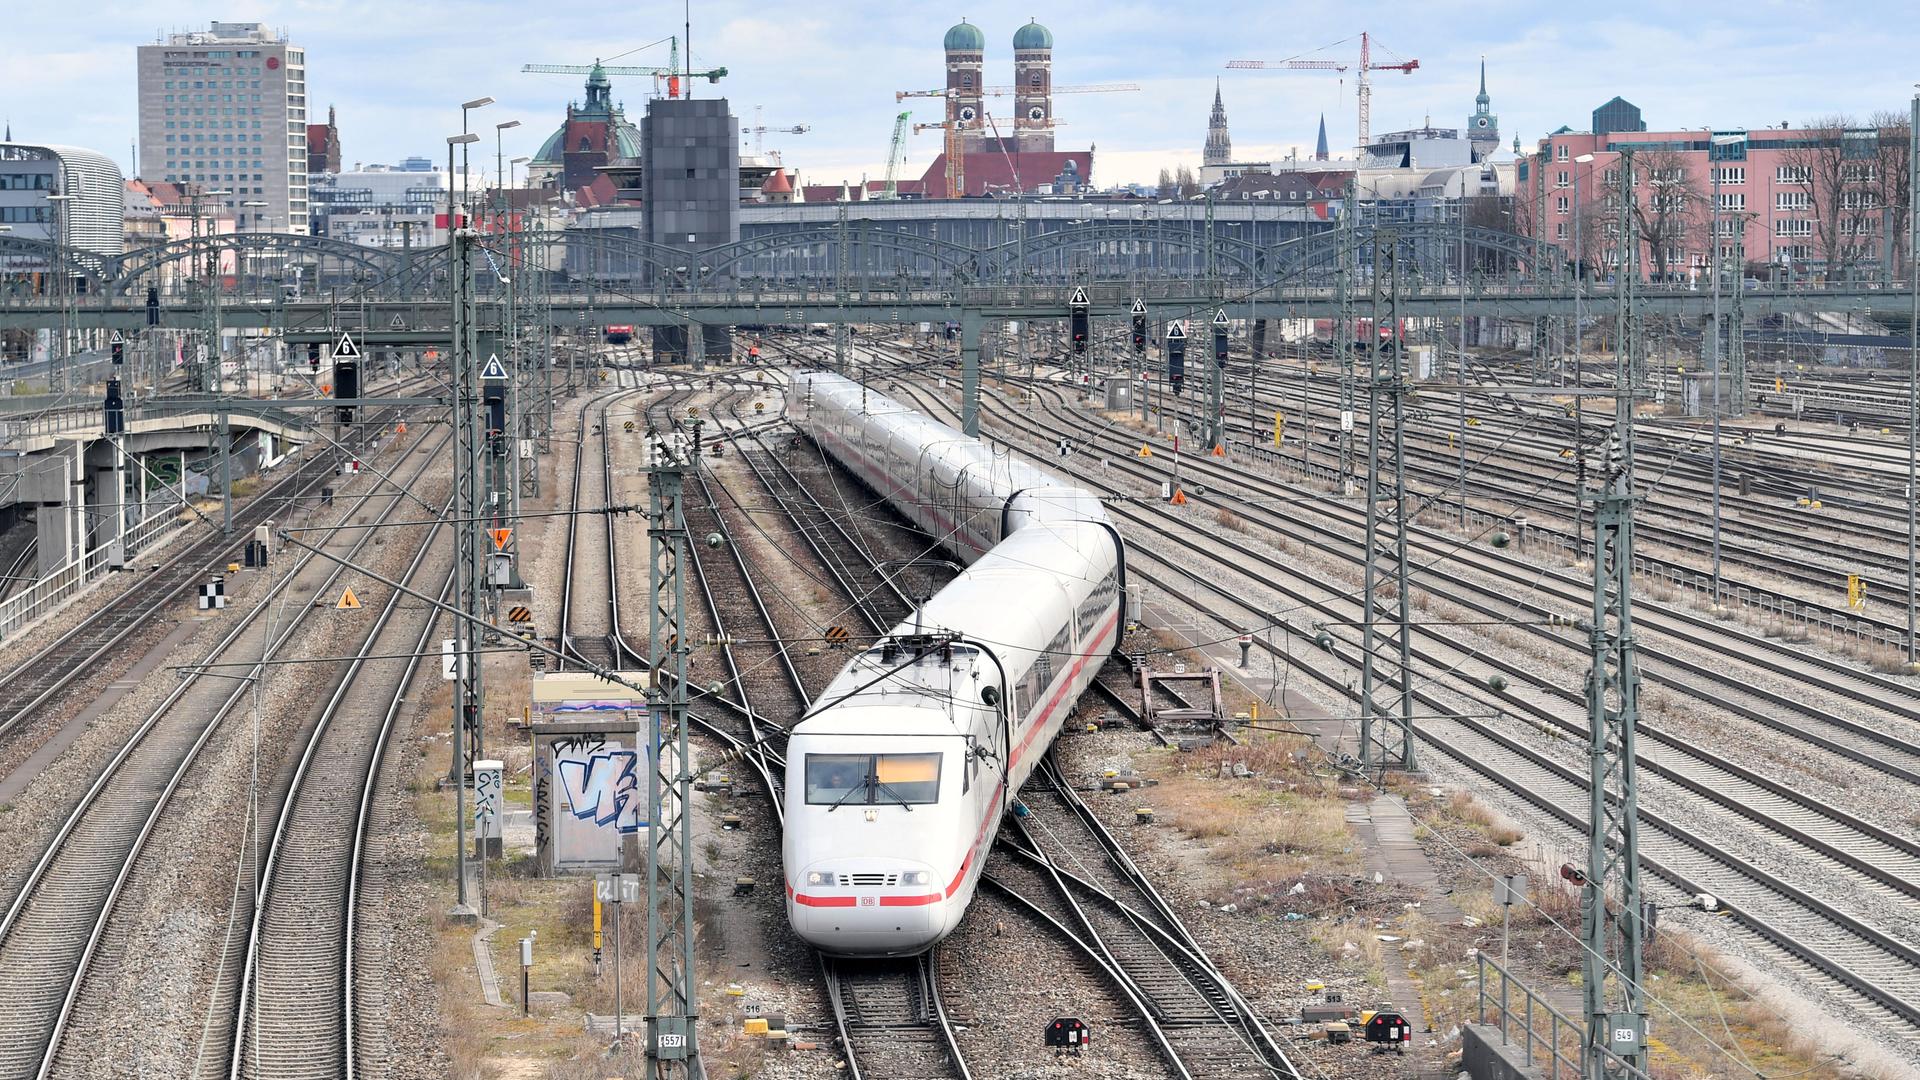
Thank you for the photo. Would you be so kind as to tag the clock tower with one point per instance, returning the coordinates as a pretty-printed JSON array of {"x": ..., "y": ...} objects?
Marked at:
[{"x": 1483, "y": 128}]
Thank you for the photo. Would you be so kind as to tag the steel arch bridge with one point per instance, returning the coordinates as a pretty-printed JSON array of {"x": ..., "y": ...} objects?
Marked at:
[
  {"x": 876, "y": 256},
  {"x": 1430, "y": 247}
]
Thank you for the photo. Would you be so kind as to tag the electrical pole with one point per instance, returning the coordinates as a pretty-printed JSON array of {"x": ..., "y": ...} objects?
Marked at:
[
  {"x": 1385, "y": 380},
  {"x": 1713, "y": 373},
  {"x": 1343, "y": 332},
  {"x": 469, "y": 570},
  {"x": 1913, "y": 359},
  {"x": 1614, "y": 933},
  {"x": 672, "y": 1008},
  {"x": 840, "y": 259}
]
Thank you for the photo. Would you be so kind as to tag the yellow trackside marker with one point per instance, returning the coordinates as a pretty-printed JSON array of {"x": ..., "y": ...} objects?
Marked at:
[
  {"x": 1145, "y": 450},
  {"x": 348, "y": 601},
  {"x": 500, "y": 538},
  {"x": 1779, "y": 384}
]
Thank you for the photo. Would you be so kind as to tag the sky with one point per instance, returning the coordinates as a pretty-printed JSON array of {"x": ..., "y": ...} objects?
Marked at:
[{"x": 397, "y": 71}]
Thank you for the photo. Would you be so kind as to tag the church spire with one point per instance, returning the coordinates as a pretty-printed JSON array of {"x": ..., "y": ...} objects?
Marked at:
[
  {"x": 1219, "y": 149},
  {"x": 1320, "y": 147},
  {"x": 1483, "y": 127}
]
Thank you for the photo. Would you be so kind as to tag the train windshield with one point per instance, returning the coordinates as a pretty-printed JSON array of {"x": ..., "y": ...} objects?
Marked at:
[{"x": 902, "y": 779}]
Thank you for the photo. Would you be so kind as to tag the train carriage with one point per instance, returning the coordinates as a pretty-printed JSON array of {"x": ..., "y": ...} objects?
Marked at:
[{"x": 898, "y": 774}]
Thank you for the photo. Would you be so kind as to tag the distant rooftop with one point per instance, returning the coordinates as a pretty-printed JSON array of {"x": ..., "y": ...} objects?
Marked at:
[{"x": 229, "y": 33}]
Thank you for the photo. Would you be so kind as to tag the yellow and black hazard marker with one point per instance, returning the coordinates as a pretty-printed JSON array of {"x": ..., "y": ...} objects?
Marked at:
[
  {"x": 520, "y": 614},
  {"x": 837, "y": 636}
]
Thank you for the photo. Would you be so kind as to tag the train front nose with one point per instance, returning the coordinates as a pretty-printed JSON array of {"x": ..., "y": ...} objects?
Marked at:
[{"x": 867, "y": 907}]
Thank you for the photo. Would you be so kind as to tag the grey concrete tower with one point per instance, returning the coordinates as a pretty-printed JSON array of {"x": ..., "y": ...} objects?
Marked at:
[{"x": 1219, "y": 148}]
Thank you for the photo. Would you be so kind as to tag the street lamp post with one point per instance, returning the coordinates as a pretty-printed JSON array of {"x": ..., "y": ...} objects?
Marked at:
[
  {"x": 466, "y": 564},
  {"x": 465, "y": 108},
  {"x": 499, "y": 168},
  {"x": 59, "y": 382}
]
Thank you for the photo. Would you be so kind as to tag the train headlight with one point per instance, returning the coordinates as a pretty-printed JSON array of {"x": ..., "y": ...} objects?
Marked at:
[
  {"x": 915, "y": 877},
  {"x": 815, "y": 877}
]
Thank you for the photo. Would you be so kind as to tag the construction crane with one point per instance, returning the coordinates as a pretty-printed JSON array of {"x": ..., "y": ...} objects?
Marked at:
[
  {"x": 956, "y": 151},
  {"x": 894, "y": 156},
  {"x": 1010, "y": 91},
  {"x": 1363, "y": 87},
  {"x": 956, "y": 158},
  {"x": 758, "y": 129},
  {"x": 671, "y": 73}
]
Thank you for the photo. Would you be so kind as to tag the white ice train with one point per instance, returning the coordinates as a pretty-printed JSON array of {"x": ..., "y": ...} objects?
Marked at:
[{"x": 898, "y": 775}]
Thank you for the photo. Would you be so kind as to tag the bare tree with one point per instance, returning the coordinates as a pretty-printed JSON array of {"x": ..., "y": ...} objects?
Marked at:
[
  {"x": 1166, "y": 188},
  {"x": 1835, "y": 176},
  {"x": 1893, "y": 184},
  {"x": 1188, "y": 186},
  {"x": 1667, "y": 204}
]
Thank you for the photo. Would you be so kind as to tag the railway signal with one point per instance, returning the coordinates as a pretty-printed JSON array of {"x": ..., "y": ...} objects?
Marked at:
[
  {"x": 1078, "y": 306},
  {"x": 346, "y": 375},
  {"x": 119, "y": 347},
  {"x": 1139, "y": 327},
  {"x": 1176, "y": 354}
]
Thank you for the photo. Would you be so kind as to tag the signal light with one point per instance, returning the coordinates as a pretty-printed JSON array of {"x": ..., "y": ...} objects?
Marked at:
[
  {"x": 313, "y": 357},
  {"x": 1079, "y": 321}
]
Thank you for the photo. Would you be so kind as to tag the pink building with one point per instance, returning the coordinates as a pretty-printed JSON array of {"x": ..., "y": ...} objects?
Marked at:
[{"x": 1799, "y": 202}]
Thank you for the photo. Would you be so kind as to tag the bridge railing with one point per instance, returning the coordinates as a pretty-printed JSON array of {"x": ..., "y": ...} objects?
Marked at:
[{"x": 161, "y": 520}]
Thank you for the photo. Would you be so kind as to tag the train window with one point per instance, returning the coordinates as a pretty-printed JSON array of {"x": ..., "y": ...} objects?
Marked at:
[
  {"x": 834, "y": 779},
  {"x": 913, "y": 778}
]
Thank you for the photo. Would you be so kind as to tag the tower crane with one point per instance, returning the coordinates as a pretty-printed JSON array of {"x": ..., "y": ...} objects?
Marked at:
[
  {"x": 1009, "y": 91},
  {"x": 671, "y": 72},
  {"x": 896, "y": 155},
  {"x": 1363, "y": 86},
  {"x": 956, "y": 157},
  {"x": 758, "y": 129}
]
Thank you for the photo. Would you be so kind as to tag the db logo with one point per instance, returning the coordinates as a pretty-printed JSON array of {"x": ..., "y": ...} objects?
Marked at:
[{"x": 869, "y": 901}]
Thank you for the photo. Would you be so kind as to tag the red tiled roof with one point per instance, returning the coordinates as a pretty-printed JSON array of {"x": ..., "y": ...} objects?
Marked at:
[
  {"x": 904, "y": 187},
  {"x": 991, "y": 172},
  {"x": 599, "y": 193},
  {"x": 777, "y": 184}
]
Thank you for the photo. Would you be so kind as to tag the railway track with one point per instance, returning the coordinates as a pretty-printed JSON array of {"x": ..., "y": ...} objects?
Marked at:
[
  {"x": 299, "y": 1005},
  {"x": 1861, "y": 961},
  {"x": 52, "y": 929},
  {"x": 589, "y": 602},
  {"x": 28, "y": 689}
]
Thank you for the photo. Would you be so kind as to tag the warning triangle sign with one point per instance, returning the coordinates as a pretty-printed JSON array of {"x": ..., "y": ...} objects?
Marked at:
[
  {"x": 116, "y": 339},
  {"x": 398, "y": 323},
  {"x": 348, "y": 601},
  {"x": 1145, "y": 450},
  {"x": 346, "y": 349},
  {"x": 493, "y": 370},
  {"x": 1176, "y": 330},
  {"x": 1079, "y": 297},
  {"x": 1139, "y": 307},
  {"x": 500, "y": 538},
  {"x": 1220, "y": 316},
  {"x": 1179, "y": 498}
]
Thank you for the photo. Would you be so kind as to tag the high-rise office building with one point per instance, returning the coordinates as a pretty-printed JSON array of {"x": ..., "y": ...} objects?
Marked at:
[{"x": 225, "y": 109}]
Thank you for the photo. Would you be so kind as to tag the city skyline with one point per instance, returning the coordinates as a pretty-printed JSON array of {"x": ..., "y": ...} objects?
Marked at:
[{"x": 397, "y": 94}]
